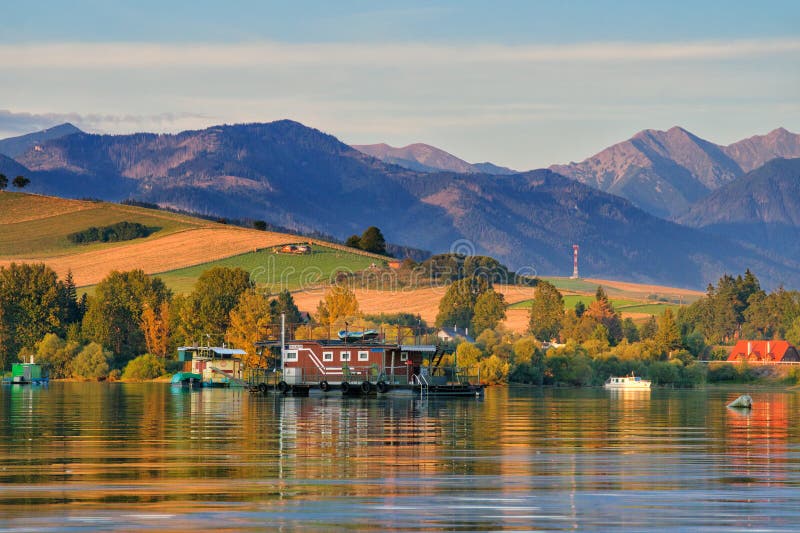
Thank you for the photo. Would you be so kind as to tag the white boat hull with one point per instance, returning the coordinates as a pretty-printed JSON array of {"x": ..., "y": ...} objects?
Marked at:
[{"x": 627, "y": 383}]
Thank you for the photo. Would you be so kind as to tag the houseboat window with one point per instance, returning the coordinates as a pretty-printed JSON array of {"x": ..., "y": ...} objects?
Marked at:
[
  {"x": 344, "y": 356},
  {"x": 404, "y": 356},
  {"x": 327, "y": 356},
  {"x": 291, "y": 356},
  {"x": 363, "y": 356}
]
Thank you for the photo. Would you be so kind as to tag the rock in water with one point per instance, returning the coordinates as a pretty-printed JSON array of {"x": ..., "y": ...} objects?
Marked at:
[{"x": 743, "y": 401}]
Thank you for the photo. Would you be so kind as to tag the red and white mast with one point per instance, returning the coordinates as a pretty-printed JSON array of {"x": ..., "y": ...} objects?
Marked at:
[{"x": 575, "y": 262}]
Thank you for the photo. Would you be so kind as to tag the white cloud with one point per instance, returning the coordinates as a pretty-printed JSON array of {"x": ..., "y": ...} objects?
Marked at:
[
  {"x": 202, "y": 55},
  {"x": 18, "y": 123}
]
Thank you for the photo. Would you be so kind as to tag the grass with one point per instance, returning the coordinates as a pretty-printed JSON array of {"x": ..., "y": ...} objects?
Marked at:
[
  {"x": 649, "y": 309},
  {"x": 571, "y": 299},
  {"x": 38, "y": 226},
  {"x": 276, "y": 271}
]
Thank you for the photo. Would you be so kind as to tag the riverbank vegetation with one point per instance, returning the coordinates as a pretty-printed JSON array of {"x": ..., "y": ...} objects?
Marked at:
[{"x": 131, "y": 325}]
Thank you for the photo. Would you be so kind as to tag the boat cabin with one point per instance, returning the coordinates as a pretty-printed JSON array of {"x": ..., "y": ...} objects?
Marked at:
[
  {"x": 338, "y": 361},
  {"x": 216, "y": 365}
]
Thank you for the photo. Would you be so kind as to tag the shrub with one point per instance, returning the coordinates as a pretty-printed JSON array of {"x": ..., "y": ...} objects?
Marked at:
[
  {"x": 494, "y": 370},
  {"x": 145, "y": 366},
  {"x": 91, "y": 362},
  {"x": 121, "y": 231}
]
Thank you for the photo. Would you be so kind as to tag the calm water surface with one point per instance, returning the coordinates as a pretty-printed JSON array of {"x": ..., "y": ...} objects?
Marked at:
[{"x": 99, "y": 457}]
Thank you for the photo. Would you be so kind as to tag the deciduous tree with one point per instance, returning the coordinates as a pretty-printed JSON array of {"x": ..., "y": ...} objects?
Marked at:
[
  {"x": 490, "y": 309},
  {"x": 155, "y": 324},
  {"x": 547, "y": 312},
  {"x": 92, "y": 362},
  {"x": 34, "y": 302},
  {"x": 114, "y": 315},
  {"x": 247, "y": 320},
  {"x": 206, "y": 313},
  {"x": 340, "y": 303},
  {"x": 457, "y": 306}
]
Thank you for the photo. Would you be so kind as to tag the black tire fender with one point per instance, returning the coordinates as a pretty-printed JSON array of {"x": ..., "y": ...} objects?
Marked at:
[
  {"x": 283, "y": 386},
  {"x": 382, "y": 387},
  {"x": 323, "y": 385}
]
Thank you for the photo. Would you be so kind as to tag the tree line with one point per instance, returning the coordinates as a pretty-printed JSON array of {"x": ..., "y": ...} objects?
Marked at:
[
  {"x": 130, "y": 318},
  {"x": 586, "y": 344},
  {"x": 20, "y": 182}
]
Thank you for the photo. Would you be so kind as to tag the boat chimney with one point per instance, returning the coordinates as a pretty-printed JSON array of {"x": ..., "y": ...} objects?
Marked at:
[
  {"x": 768, "y": 346},
  {"x": 749, "y": 347},
  {"x": 31, "y": 358}
]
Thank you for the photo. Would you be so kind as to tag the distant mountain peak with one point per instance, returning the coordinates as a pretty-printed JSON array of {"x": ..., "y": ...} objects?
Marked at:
[
  {"x": 426, "y": 158},
  {"x": 16, "y": 146}
]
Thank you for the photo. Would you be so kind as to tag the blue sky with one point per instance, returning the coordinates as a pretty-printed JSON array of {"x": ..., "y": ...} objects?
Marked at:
[{"x": 524, "y": 84}]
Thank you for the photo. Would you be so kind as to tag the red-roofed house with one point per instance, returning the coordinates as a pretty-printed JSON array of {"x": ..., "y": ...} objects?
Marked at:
[{"x": 764, "y": 352}]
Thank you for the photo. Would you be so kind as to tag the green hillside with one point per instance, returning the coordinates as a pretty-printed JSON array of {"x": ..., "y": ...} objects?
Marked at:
[
  {"x": 38, "y": 226},
  {"x": 276, "y": 271}
]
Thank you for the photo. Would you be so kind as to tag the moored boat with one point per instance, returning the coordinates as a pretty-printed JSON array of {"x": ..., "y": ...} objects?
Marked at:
[
  {"x": 627, "y": 382},
  {"x": 363, "y": 364}
]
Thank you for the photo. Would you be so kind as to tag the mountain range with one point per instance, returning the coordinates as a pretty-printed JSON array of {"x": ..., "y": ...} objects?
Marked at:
[
  {"x": 294, "y": 176},
  {"x": 427, "y": 158},
  {"x": 665, "y": 172}
]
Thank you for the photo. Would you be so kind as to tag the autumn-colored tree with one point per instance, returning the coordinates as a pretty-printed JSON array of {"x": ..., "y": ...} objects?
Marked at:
[
  {"x": 490, "y": 309},
  {"x": 340, "y": 303},
  {"x": 206, "y": 312},
  {"x": 155, "y": 325},
  {"x": 114, "y": 315},
  {"x": 247, "y": 321},
  {"x": 547, "y": 312},
  {"x": 603, "y": 312}
]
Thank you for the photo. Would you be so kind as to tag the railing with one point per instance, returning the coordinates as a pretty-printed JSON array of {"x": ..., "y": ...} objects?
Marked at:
[{"x": 423, "y": 384}]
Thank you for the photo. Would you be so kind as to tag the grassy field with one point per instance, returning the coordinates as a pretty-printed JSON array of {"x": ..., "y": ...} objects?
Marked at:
[
  {"x": 37, "y": 226},
  {"x": 625, "y": 290},
  {"x": 571, "y": 299},
  {"x": 277, "y": 271}
]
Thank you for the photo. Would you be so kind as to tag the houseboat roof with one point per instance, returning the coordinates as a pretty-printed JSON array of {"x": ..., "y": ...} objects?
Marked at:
[
  {"x": 418, "y": 348},
  {"x": 217, "y": 350}
]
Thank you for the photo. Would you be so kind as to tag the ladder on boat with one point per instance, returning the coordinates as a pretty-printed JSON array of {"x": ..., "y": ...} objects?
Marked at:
[
  {"x": 423, "y": 385},
  {"x": 230, "y": 378}
]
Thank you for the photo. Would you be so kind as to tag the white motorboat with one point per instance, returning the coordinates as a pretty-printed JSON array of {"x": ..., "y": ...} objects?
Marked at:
[{"x": 627, "y": 382}]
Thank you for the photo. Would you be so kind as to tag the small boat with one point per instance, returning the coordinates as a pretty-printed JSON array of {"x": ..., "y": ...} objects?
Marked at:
[
  {"x": 27, "y": 374},
  {"x": 366, "y": 335},
  {"x": 187, "y": 379},
  {"x": 627, "y": 382}
]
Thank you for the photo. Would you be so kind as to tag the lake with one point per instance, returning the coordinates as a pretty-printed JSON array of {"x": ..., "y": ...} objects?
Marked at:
[{"x": 89, "y": 456}]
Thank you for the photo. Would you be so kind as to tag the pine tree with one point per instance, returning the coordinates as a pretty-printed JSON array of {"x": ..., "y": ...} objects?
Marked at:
[{"x": 372, "y": 241}]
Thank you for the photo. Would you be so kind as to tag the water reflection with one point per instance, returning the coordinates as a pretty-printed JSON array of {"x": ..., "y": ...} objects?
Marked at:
[{"x": 101, "y": 456}]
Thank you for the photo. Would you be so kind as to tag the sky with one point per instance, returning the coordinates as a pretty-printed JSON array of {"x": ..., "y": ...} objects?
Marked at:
[{"x": 523, "y": 84}]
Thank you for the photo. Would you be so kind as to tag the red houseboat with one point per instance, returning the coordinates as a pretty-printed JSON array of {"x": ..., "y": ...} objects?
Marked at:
[{"x": 365, "y": 365}]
